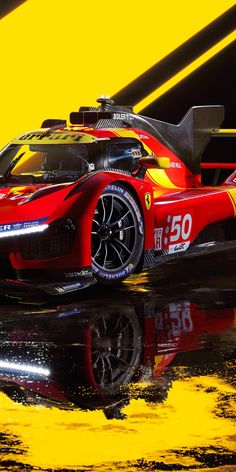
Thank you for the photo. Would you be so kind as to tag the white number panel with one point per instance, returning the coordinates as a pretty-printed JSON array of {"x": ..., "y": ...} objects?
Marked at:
[{"x": 175, "y": 236}]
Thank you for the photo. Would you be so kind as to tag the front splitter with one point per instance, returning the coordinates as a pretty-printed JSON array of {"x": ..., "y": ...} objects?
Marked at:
[{"x": 15, "y": 288}]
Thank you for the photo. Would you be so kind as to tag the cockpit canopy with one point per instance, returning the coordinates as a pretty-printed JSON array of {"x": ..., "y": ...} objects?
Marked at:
[{"x": 67, "y": 160}]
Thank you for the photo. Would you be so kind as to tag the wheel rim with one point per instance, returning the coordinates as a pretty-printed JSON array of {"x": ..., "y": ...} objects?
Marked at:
[
  {"x": 115, "y": 351},
  {"x": 114, "y": 233}
]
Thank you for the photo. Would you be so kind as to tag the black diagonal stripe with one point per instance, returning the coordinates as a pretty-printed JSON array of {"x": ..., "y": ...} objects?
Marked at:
[
  {"x": 6, "y": 6},
  {"x": 170, "y": 65},
  {"x": 213, "y": 82}
]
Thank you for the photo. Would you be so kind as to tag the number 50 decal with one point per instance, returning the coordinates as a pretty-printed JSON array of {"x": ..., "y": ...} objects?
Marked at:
[{"x": 180, "y": 227}]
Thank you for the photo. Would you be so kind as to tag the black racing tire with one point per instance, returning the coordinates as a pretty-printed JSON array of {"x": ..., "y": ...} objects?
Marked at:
[{"x": 117, "y": 235}]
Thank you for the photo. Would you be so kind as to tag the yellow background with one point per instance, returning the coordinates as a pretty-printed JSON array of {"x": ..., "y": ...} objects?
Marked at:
[{"x": 57, "y": 55}]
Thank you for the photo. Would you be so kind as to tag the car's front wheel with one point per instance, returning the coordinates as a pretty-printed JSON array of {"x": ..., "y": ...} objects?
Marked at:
[{"x": 117, "y": 235}]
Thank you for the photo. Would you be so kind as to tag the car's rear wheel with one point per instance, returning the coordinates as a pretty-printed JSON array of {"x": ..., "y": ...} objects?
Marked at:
[{"x": 117, "y": 235}]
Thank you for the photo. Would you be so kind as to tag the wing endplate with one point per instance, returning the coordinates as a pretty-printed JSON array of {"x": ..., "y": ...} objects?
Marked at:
[{"x": 190, "y": 137}]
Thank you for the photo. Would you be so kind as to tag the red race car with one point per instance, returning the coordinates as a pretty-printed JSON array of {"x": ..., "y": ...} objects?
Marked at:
[{"x": 110, "y": 194}]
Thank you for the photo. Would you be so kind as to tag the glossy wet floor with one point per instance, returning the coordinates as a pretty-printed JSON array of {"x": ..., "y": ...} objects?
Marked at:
[{"x": 141, "y": 377}]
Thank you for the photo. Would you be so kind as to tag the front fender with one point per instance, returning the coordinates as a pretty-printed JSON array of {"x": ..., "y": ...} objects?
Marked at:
[{"x": 81, "y": 203}]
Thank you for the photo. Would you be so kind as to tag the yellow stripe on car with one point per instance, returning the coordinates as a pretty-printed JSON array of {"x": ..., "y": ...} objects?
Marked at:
[
  {"x": 160, "y": 177},
  {"x": 232, "y": 196}
]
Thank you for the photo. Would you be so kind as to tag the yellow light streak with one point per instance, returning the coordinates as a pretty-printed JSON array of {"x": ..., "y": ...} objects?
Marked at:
[{"x": 185, "y": 72}]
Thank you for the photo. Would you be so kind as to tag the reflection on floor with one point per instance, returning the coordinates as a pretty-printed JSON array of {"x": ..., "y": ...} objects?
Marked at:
[{"x": 138, "y": 379}]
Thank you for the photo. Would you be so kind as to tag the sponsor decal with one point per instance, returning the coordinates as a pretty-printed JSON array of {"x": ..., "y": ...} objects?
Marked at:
[
  {"x": 158, "y": 232},
  {"x": 122, "y": 116},
  {"x": 147, "y": 198},
  {"x": 116, "y": 188},
  {"x": 122, "y": 273},
  {"x": 173, "y": 248},
  {"x": 53, "y": 138},
  {"x": 21, "y": 226},
  {"x": 136, "y": 153},
  {"x": 82, "y": 273},
  {"x": 69, "y": 287},
  {"x": 176, "y": 165}
]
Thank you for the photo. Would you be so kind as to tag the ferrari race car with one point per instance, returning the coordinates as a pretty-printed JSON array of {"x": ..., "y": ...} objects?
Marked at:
[{"x": 109, "y": 194}]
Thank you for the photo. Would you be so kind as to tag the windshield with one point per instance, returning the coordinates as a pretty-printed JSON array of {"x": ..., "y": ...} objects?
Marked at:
[
  {"x": 66, "y": 162},
  {"x": 47, "y": 162}
]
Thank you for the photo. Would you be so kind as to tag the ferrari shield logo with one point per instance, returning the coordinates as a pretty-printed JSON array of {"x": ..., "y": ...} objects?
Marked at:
[{"x": 148, "y": 200}]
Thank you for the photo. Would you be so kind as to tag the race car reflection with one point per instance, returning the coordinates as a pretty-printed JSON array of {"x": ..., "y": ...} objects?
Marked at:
[{"x": 83, "y": 357}]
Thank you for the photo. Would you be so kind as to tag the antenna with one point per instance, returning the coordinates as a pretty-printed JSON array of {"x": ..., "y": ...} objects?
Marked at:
[{"x": 106, "y": 102}]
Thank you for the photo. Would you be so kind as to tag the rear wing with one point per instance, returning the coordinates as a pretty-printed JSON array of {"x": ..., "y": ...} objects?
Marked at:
[
  {"x": 221, "y": 133},
  {"x": 190, "y": 137},
  {"x": 221, "y": 170}
]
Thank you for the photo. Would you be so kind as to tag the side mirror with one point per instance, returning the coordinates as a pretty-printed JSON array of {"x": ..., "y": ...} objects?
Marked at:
[{"x": 154, "y": 162}]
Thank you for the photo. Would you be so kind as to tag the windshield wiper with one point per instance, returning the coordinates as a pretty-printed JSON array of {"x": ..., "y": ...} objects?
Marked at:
[
  {"x": 22, "y": 178},
  {"x": 54, "y": 175},
  {"x": 48, "y": 176}
]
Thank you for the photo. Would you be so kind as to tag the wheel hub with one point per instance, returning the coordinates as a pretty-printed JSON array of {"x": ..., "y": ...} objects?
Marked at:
[{"x": 105, "y": 232}]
